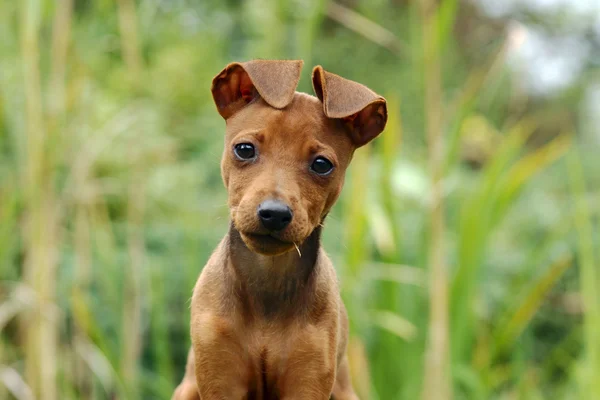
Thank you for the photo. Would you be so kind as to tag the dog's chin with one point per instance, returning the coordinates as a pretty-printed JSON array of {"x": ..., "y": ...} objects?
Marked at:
[{"x": 266, "y": 244}]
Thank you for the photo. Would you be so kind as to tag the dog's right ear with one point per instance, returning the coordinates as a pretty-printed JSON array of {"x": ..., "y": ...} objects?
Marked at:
[{"x": 240, "y": 83}]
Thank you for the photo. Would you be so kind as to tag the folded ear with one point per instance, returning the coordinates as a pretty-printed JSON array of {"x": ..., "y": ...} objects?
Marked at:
[
  {"x": 363, "y": 111},
  {"x": 240, "y": 83}
]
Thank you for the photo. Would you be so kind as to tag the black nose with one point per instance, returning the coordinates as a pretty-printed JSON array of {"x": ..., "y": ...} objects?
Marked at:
[{"x": 274, "y": 215}]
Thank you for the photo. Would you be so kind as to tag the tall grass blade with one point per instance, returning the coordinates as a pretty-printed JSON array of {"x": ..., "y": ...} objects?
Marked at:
[
  {"x": 15, "y": 384},
  {"x": 436, "y": 383},
  {"x": 589, "y": 279},
  {"x": 461, "y": 107},
  {"x": 448, "y": 11},
  {"x": 365, "y": 27},
  {"x": 530, "y": 303},
  {"x": 132, "y": 309},
  {"x": 130, "y": 43},
  {"x": 476, "y": 225},
  {"x": 394, "y": 323},
  {"x": 41, "y": 235},
  {"x": 526, "y": 168}
]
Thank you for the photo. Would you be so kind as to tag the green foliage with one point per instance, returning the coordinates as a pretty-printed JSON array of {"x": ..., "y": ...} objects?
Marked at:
[{"x": 111, "y": 201}]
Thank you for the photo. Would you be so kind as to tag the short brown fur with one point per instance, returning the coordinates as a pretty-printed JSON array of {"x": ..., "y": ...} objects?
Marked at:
[{"x": 267, "y": 319}]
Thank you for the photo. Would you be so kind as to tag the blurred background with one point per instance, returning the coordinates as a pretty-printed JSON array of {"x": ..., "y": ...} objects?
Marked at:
[{"x": 466, "y": 239}]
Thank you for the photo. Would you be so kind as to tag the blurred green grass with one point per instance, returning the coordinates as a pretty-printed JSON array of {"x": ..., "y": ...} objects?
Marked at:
[{"x": 111, "y": 200}]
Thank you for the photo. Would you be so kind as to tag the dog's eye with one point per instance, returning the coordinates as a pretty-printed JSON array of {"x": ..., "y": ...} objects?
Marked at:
[
  {"x": 322, "y": 166},
  {"x": 244, "y": 151}
]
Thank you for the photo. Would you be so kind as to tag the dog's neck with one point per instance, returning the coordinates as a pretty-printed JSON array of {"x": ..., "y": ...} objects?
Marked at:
[{"x": 274, "y": 285}]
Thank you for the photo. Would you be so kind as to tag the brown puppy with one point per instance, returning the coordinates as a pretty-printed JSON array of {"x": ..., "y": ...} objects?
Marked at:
[{"x": 267, "y": 318}]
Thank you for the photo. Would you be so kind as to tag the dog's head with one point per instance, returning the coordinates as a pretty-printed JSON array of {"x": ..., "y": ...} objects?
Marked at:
[{"x": 286, "y": 152}]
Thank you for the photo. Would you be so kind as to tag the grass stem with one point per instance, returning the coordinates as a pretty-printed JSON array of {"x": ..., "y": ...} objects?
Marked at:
[{"x": 436, "y": 378}]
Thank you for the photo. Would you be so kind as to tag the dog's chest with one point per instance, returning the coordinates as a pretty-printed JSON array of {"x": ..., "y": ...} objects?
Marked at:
[
  {"x": 276, "y": 354},
  {"x": 269, "y": 349}
]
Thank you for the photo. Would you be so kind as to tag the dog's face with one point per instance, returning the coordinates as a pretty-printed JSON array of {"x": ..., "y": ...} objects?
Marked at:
[
  {"x": 292, "y": 159},
  {"x": 285, "y": 152}
]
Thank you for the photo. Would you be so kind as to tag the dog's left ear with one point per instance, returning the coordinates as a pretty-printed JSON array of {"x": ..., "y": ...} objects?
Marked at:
[{"x": 363, "y": 111}]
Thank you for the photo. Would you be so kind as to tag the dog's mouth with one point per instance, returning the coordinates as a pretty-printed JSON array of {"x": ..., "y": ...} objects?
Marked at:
[
  {"x": 266, "y": 243},
  {"x": 266, "y": 238}
]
